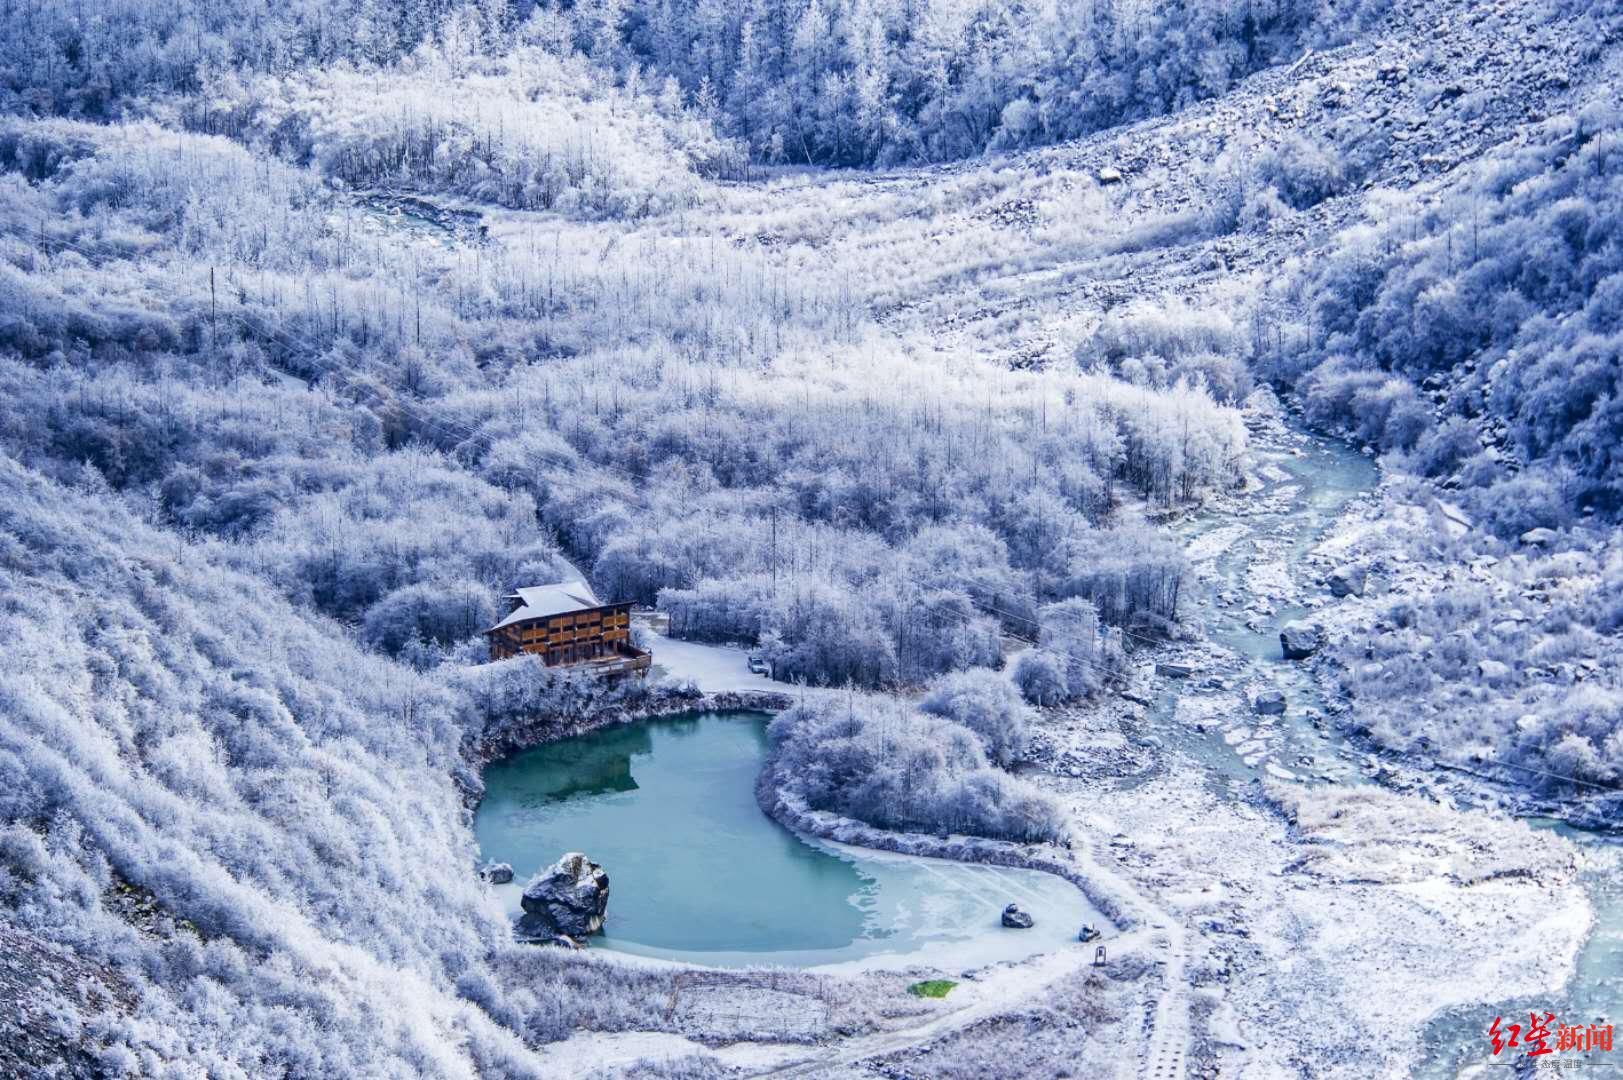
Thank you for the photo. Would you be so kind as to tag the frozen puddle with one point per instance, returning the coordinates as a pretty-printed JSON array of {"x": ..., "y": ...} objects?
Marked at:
[{"x": 697, "y": 873}]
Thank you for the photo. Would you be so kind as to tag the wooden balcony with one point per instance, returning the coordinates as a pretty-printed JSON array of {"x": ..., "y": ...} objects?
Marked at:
[{"x": 628, "y": 661}]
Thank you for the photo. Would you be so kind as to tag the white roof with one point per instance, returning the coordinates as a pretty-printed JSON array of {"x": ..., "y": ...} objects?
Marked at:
[{"x": 545, "y": 601}]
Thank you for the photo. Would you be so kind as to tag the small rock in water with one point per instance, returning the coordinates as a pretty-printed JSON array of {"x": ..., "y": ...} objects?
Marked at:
[
  {"x": 1299, "y": 640},
  {"x": 497, "y": 873},
  {"x": 1268, "y": 703},
  {"x": 568, "y": 898},
  {"x": 1016, "y": 919}
]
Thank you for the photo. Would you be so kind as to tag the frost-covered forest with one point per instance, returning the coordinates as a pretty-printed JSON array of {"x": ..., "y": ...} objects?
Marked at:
[{"x": 810, "y": 324}]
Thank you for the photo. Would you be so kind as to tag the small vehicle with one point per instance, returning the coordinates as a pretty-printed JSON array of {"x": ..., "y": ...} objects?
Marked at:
[{"x": 759, "y": 666}]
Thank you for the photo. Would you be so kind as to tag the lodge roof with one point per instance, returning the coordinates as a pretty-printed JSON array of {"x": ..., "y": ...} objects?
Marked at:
[{"x": 545, "y": 601}]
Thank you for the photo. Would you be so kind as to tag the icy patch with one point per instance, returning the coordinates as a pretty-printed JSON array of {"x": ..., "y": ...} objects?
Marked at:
[{"x": 1212, "y": 544}]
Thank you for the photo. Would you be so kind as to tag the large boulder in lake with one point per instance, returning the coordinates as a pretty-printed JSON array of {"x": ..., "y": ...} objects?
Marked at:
[
  {"x": 570, "y": 897},
  {"x": 1016, "y": 918},
  {"x": 1347, "y": 580},
  {"x": 1299, "y": 640}
]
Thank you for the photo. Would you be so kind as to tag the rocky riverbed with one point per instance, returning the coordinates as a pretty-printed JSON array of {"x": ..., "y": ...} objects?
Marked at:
[{"x": 1320, "y": 908}]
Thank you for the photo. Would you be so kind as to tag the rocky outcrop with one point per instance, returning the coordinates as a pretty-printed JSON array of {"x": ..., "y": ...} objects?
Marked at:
[
  {"x": 1299, "y": 640},
  {"x": 1347, "y": 580},
  {"x": 1540, "y": 537},
  {"x": 1268, "y": 703},
  {"x": 1016, "y": 918},
  {"x": 570, "y": 898},
  {"x": 497, "y": 873}
]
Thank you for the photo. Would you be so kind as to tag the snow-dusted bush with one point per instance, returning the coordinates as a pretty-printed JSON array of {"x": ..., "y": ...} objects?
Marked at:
[
  {"x": 1511, "y": 506},
  {"x": 988, "y": 704},
  {"x": 1129, "y": 576},
  {"x": 1504, "y": 292},
  {"x": 534, "y": 131},
  {"x": 878, "y": 761},
  {"x": 1040, "y": 675},
  {"x": 1465, "y": 676},
  {"x": 1159, "y": 346},
  {"x": 1303, "y": 170},
  {"x": 429, "y": 612}
]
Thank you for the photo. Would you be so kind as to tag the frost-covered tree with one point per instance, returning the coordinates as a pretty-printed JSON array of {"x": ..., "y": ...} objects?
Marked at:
[{"x": 988, "y": 704}]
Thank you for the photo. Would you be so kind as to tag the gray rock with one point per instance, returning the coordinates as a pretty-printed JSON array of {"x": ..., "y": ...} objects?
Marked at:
[
  {"x": 570, "y": 897},
  {"x": 1174, "y": 670},
  {"x": 1299, "y": 640},
  {"x": 1347, "y": 580},
  {"x": 1540, "y": 537},
  {"x": 1016, "y": 919},
  {"x": 497, "y": 873},
  {"x": 1108, "y": 175},
  {"x": 1268, "y": 703},
  {"x": 535, "y": 930},
  {"x": 1492, "y": 670}
]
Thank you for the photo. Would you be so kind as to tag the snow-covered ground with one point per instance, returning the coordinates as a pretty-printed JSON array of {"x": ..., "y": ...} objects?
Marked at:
[{"x": 712, "y": 668}]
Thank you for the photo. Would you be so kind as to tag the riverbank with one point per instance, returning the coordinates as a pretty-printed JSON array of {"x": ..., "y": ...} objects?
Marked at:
[
  {"x": 1321, "y": 911},
  {"x": 1522, "y": 602}
]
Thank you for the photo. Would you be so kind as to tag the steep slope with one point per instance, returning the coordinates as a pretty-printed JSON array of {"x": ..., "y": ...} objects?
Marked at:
[{"x": 203, "y": 787}]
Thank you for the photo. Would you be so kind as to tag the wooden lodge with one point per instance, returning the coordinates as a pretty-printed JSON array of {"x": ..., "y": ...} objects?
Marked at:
[{"x": 567, "y": 626}]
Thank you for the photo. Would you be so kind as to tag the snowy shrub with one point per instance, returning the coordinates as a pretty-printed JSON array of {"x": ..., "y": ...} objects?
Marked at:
[
  {"x": 505, "y": 699},
  {"x": 988, "y": 704},
  {"x": 1445, "y": 448},
  {"x": 537, "y": 132},
  {"x": 1304, "y": 171},
  {"x": 441, "y": 612},
  {"x": 1160, "y": 346},
  {"x": 1130, "y": 577},
  {"x": 1040, "y": 675},
  {"x": 1504, "y": 289},
  {"x": 880, "y": 762}
]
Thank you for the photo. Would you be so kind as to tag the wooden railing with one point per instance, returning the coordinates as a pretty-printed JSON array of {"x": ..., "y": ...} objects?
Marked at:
[{"x": 628, "y": 662}]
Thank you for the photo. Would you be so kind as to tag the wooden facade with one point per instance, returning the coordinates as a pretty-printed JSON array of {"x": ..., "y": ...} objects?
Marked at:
[{"x": 567, "y": 626}]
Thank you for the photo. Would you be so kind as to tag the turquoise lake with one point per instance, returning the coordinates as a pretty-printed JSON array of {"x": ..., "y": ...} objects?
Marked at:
[{"x": 698, "y": 873}]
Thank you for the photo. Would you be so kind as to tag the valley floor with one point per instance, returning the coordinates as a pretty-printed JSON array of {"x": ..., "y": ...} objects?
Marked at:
[{"x": 1282, "y": 929}]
